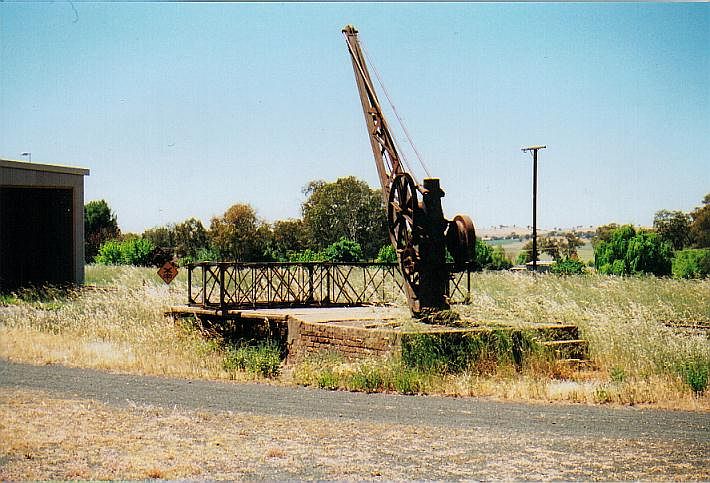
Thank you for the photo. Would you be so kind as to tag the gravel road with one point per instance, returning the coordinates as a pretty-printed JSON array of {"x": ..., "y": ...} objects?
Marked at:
[
  {"x": 264, "y": 399},
  {"x": 684, "y": 436}
]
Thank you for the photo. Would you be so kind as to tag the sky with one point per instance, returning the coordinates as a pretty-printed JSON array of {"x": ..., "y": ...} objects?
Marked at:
[{"x": 182, "y": 109}]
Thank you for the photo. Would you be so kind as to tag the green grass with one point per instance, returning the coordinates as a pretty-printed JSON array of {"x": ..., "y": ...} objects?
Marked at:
[{"x": 260, "y": 358}]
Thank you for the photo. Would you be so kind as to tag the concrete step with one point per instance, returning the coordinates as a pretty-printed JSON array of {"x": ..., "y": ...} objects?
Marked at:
[
  {"x": 573, "y": 364},
  {"x": 568, "y": 349},
  {"x": 557, "y": 332}
]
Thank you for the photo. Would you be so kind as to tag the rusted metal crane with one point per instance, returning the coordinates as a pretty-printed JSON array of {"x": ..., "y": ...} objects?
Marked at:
[{"x": 418, "y": 230}]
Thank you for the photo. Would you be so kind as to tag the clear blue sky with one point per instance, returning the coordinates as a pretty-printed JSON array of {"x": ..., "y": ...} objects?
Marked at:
[{"x": 181, "y": 110}]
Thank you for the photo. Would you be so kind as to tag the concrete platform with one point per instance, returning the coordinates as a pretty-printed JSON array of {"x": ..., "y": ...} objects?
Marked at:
[{"x": 363, "y": 331}]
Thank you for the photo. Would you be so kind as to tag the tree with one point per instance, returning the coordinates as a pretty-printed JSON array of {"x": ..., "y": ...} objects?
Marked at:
[
  {"x": 190, "y": 237},
  {"x": 700, "y": 225},
  {"x": 673, "y": 227},
  {"x": 603, "y": 233},
  {"x": 569, "y": 245},
  {"x": 100, "y": 225},
  {"x": 525, "y": 254},
  {"x": 289, "y": 236},
  {"x": 239, "y": 235},
  {"x": 161, "y": 236},
  {"x": 551, "y": 246},
  {"x": 628, "y": 252},
  {"x": 346, "y": 208}
]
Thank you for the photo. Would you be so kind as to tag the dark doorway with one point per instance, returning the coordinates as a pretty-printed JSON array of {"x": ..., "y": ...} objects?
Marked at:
[{"x": 36, "y": 237}]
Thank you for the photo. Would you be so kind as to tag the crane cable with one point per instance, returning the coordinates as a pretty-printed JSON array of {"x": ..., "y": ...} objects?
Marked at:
[{"x": 399, "y": 118}]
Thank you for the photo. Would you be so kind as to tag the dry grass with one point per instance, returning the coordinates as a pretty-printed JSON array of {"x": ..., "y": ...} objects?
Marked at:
[
  {"x": 637, "y": 357},
  {"x": 43, "y": 436},
  {"x": 628, "y": 321},
  {"x": 122, "y": 329}
]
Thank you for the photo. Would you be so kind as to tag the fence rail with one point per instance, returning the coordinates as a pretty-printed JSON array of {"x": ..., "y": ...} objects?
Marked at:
[{"x": 232, "y": 285}]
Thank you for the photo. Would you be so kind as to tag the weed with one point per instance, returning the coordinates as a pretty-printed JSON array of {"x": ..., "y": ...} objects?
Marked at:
[
  {"x": 327, "y": 379},
  {"x": 367, "y": 378},
  {"x": 695, "y": 374},
  {"x": 408, "y": 381},
  {"x": 262, "y": 359},
  {"x": 617, "y": 374}
]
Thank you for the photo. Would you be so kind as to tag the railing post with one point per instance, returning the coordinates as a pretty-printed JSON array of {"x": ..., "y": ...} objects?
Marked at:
[
  {"x": 221, "y": 286},
  {"x": 190, "y": 300},
  {"x": 204, "y": 286},
  {"x": 327, "y": 283},
  {"x": 310, "y": 284}
]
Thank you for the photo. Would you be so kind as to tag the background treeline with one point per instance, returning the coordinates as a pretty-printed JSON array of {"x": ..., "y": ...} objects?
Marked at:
[{"x": 345, "y": 221}]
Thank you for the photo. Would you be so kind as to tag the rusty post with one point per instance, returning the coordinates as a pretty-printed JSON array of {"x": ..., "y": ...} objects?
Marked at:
[{"x": 221, "y": 286}]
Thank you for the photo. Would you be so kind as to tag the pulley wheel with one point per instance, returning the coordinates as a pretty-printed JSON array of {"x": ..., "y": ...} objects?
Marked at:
[{"x": 461, "y": 239}]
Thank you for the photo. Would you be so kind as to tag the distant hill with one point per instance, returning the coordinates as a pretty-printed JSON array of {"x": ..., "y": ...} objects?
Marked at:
[{"x": 513, "y": 231}]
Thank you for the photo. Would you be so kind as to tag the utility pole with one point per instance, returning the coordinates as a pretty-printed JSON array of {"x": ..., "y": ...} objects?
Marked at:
[{"x": 534, "y": 150}]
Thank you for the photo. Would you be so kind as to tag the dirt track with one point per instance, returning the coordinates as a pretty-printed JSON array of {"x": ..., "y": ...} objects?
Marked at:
[{"x": 495, "y": 439}]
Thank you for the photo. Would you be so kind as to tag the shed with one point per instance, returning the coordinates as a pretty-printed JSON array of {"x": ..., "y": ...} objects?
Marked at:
[{"x": 41, "y": 224}]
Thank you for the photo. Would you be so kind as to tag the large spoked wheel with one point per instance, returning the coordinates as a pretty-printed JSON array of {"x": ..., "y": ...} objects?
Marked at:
[{"x": 400, "y": 216}]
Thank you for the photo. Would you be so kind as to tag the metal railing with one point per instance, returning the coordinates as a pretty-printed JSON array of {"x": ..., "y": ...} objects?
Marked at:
[{"x": 232, "y": 285}]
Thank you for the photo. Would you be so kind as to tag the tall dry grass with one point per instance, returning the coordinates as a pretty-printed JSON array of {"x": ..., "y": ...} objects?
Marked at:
[
  {"x": 630, "y": 322},
  {"x": 119, "y": 325}
]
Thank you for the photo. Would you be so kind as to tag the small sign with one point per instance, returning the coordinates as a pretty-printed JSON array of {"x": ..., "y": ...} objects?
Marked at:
[{"x": 168, "y": 272}]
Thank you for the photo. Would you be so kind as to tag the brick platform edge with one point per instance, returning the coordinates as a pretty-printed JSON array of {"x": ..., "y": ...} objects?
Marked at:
[{"x": 308, "y": 337}]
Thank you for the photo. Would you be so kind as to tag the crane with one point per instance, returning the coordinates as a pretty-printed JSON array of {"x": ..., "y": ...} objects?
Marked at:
[{"x": 418, "y": 230}]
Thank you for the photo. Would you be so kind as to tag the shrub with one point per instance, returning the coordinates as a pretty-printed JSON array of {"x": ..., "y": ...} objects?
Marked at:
[
  {"x": 691, "y": 263},
  {"x": 387, "y": 254},
  {"x": 306, "y": 255},
  {"x": 695, "y": 374},
  {"x": 110, "y": 253},
  {"x": 343, "y": 250},
  {"x": 499, "y": 259},
  {"x": 483, "y": 254},
  {"x": 456, "y": 352},
  {"x": 568, "y": 266},
  {"x": 137, "y": 252},
  {"x": 367, "y": 378},
  {"x": 263, "y": 359}
]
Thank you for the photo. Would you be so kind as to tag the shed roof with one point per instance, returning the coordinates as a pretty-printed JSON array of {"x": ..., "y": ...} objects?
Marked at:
[{"x": 51, "y": 168}]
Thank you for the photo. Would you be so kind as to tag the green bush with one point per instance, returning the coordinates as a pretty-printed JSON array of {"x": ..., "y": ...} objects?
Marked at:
[
  {"x": 133, "y": 251},
  {"x": 343, "y": 250},
  {"x": 367, "y": 378},
  {"x": 263, "y": 359},
  {"x": 137, "y": 252},
  {"x": 110, "y": 253},
  {"x": 387, "y": 254},
  {"x": 306, "y": 255},
  {"x": 695, "y": 374},
  {"x": 483, "y": 255},
  {"x": 568, "y": 266},
  {"x": 691, "y": 263},
  {"x": 499, "y": 260}
]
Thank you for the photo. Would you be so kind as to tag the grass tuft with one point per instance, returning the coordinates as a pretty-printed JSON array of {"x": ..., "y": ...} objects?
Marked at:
[{"x": 260, "y": 358}]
